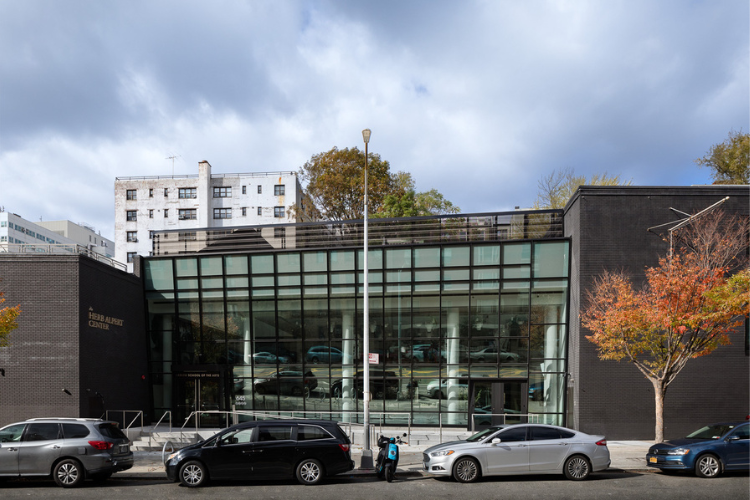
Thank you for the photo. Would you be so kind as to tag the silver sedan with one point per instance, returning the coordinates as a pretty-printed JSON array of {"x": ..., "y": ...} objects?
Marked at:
[{"x": 519, "y": 449}]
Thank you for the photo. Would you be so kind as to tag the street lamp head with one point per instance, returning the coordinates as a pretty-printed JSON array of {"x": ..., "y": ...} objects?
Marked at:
[{"x": 366, "y": 135}]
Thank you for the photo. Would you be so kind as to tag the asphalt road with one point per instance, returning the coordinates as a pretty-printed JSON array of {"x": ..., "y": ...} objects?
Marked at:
[{"x": 619, "y": 485}]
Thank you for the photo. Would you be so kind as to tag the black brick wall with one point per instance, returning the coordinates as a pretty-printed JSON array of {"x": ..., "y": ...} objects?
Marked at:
[
  {"x": 54, "y": 349},
  {"x": 608, "y": 230}
]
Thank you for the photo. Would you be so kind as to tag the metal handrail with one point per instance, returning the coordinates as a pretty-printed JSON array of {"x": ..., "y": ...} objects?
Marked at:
[
  {"x": 277, "y": 414},
  {"x": 139, "y": 413},
  {"x": 156, "y": 426},
  {"x": 162, "y": 418}
]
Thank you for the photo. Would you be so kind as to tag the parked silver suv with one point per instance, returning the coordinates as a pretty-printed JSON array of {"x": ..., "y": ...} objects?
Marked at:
[{"x": 68, "y": 449}]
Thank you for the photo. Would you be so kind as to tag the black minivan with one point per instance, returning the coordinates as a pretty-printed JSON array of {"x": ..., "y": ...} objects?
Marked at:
[{"x": 272, "y": 449}]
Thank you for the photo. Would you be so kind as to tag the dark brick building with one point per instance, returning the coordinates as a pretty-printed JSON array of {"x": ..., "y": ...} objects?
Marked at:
[
  {"x": 80, "y": 331},
  {"x": 608, "y": 230}
]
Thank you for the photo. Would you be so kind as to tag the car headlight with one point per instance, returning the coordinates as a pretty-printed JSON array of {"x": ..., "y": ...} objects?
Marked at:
[
  {"x": 443, "y": 453},
  {"x": 679, "y": 451},
  {"x": 170, "y": 457}
]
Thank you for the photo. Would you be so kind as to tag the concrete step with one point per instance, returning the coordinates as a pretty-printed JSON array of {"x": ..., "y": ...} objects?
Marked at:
[{"x": 155, "y": 441}]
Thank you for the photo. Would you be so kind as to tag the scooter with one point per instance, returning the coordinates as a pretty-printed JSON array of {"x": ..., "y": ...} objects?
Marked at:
[{"x": 387, "y": 460}]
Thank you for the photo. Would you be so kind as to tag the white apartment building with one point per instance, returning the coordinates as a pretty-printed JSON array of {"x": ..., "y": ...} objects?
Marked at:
[
  {"x": 18, "y": 235},
  {"x": 82, "y": 234},
  {"x": 147, "y": 204}
]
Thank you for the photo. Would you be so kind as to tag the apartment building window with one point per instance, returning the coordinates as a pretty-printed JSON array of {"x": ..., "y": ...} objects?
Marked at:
[
  {"x": 244, "y": 189},
  {"x": 184, "y": 193},
  {"x": 132, "y": 236},
  {"x": 244, "y": 211},
  {"x": 166, "y": 213},
  {"x": 260, "y": 210},
  {"x": 151, "y": 235},
  {"x": 222, "y": 213},
  {"x": 278, "y": 190},
  {"x": 222, "y": 192},
  {"x": 4, "y": 223},
  {"x": 278, "y": 211},
  {"x": 260, "y": 189},
  {"x": 132, "y": 215},
  {"x": 189, "y": 236},
  {"x": 131, "y": 256},
  {"x": 131, "y": 194},
  {"x": 150, "y": 193},
  {"x": 187, "y": 214},
  {"x": 151, "y": 213}
]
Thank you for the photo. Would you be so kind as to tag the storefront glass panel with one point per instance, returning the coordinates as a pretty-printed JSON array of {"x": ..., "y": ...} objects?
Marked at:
[{"x": 494, "y": 314}]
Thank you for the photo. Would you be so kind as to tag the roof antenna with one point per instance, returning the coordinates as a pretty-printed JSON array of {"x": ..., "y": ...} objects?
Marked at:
[{"x": 172, "y": 158}]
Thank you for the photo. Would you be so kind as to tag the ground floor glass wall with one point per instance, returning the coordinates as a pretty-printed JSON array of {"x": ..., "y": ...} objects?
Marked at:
[{"x": 461, "y": 333}]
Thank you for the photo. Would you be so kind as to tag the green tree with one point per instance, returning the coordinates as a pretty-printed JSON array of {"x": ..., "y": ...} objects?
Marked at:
[
  {"x": 688, "y": 307},
  {"x": 412, "y": 204},
  {"x": 558, "y": 187},
  {"x": 335, "y": 183},
  {"x": 730, "y": 160},
  {"x": 335, "y": 188},
  {"x": 8, "y": 321}
]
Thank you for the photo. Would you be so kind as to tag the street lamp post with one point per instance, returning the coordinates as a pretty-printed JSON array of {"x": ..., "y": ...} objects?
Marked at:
[{"x": 366, "y": 462}]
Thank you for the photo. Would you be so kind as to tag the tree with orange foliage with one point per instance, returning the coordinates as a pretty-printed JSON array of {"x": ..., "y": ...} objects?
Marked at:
[
  {"x": 690, "y": 304},
  {"x": 8, "y": 322}
]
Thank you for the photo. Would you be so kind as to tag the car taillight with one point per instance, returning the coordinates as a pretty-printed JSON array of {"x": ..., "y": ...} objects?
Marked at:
[
  {"x": 601, "y": 442},
  {"x": 344, "y": 447},
  {"x": 101, "y": 445}
]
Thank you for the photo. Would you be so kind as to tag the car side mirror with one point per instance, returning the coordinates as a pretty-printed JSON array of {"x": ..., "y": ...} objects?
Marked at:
[
  {"x": 733, "y": 438},
  {"x": 496, "y": 440}
]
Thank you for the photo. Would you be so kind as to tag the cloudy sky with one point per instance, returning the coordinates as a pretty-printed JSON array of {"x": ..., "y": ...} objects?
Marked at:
[{"x": 478, "y": 99}]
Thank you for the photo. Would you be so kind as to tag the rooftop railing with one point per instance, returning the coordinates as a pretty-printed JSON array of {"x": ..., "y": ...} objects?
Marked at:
[
  {"x": 195, "y": 176},
  {"x": 59, "y": 249},
  {"x": 516, "y": 225}
]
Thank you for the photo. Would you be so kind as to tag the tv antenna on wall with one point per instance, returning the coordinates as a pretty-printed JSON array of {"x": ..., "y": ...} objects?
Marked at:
[{"x": 172, "y": 158}]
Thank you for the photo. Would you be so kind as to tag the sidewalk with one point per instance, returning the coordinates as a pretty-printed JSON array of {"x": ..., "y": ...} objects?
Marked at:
[{"x": 625, "y": 455}]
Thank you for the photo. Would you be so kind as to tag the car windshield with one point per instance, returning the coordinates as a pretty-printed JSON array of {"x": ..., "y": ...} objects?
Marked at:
[
  {"x": 483, "y": 434},
  {"x": 710, "y": 432}
]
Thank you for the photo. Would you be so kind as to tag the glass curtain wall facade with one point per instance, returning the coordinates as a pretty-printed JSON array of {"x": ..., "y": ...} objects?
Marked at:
[{"x": 461, "y": 333}]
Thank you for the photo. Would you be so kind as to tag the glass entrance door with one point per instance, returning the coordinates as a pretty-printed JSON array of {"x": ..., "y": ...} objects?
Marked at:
[
  {"x": 497, "y": 402},
  {"x": 199, "y": 397}
]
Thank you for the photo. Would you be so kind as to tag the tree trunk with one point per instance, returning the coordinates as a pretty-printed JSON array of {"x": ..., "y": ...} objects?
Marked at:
[{"x": 660, "y": 390}]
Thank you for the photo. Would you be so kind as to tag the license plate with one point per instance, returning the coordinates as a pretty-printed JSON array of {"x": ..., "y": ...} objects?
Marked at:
[
  {"x": 652, "y": 460},
  {"x": 124, "y": 448}
]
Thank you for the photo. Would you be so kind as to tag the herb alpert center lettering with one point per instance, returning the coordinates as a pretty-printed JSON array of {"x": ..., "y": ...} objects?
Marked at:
[{"x": 467, "y": 320}]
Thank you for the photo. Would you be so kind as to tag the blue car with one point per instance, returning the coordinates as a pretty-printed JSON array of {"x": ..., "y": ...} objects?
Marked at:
[{"x": 708, "y": 451}]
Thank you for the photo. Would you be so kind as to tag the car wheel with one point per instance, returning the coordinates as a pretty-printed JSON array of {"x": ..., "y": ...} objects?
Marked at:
[
  {"x": 259, "y": 390},
  {"x": 68, "y": 473},
  {"x": 466, "y": 470},
  {"x": 101, "y": 476},
  {"x": 193, "y": 474},
  {"x": 336, "y": 392},
  {"x": 707, "y": 466},
  {"x": 389, "y": 472},
  {"x": 309, "y": 472},
  {"x": 577, "y": 468},
  {"x": 315, "y": 360}
]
